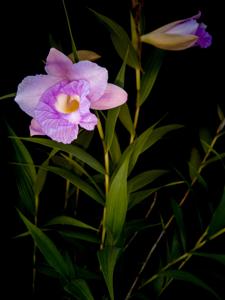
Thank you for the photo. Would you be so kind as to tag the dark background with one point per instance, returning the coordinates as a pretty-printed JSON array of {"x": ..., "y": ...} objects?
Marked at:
[{"x": 189, "y": 87}]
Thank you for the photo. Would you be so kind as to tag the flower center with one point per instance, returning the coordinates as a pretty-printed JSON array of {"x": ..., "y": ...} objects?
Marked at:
[{"x": 67, "y": 104}]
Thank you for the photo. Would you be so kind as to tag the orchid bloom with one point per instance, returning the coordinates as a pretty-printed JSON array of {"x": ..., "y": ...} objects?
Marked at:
[
  {"x": 179, "y": 35},
  {"x": 60, "y": 101}
]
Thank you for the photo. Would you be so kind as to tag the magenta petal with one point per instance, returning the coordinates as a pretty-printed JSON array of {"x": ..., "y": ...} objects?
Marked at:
[
  {"x": 113, "y": 97},
  {"x": 30, "y": 90},
  {"x": 95, "y": 75},
  {"x": 35, "y": 128},
  {"x": 54, "y": 126},
  {"x": 58, "y": 64}
]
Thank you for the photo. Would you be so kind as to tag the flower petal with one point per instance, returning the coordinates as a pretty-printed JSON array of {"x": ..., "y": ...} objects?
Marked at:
[
  {"x": 35, "y": 128},
  {"x": 95, "y": 75},
  {"x": 54, "y": 126},
  {"x": 113, "y": 97},
  {"x": 58, "y": 64},
  {"x": 30, "y": 90},
  {"x": 89, "y": 121},
  {"x": 186, "y": 27}
]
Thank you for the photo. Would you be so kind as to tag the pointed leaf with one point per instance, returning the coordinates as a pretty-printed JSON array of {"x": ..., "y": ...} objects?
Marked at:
[
  {"x": 107, "y": 260},
  {"x": 125, "y": 118},
  {"x": 120, "y": 39},
  {"x": 47, "y": 248},
  {"x": 79, "y": 289},
  {"x": 115, "y": 151},
  {"x": 180, "y": 223},
  {"x": 218, "y": 218},
  {"x": 73, "y": 236},
  {"x": 144, "y": 179},
  {"x": 189, "y": 277},
  {"x": 137, "y": 197},
  {"x": 117, "y": 201},
  {"x": 150, "y": 74},
  {"x": 78, "y": 182},
  {"x": 110, "y": 125},
  {"x": 65, "y": 220},
  {"x": 25, "y": 174},
  {"x": 72, "y": 149},
  {"x": 220, "y": 258}
]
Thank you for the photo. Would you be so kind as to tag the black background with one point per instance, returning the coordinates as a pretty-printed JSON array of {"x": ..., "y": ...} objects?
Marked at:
[{"x": 190, "y": 85}]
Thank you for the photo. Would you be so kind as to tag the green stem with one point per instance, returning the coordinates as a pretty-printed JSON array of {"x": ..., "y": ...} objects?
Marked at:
[
  {"x": 106, "y": 162},
  {"x": 36, "y": 203},
  {"x": 182, "y": 201}
]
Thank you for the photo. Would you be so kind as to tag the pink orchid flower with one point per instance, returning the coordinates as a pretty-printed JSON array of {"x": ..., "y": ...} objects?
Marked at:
[
  {"x": 179, "y": 35},
  {"x": 60, "y": 101}
]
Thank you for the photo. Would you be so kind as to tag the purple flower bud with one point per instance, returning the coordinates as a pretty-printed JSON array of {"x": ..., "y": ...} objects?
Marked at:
[{"x": 179, "y": 35}]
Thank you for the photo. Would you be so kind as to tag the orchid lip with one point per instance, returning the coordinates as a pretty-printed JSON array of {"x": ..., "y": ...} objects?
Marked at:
[{"x": 67, "y": 104}]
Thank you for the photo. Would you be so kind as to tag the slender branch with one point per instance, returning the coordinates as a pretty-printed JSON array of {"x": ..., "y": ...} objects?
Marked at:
[{"x": 182, "y": 201}]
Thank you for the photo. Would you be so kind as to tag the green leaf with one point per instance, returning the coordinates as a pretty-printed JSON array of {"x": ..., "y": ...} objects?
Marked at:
[
  {"x": 42, "y": 174},
  {"x": 125, "y": 118},
  {"x": 12, "y": 95},
  {"x": 110, "y": 125},
  {"x": 107, "y": 260},
  {"x": 120, "y": 40},
  {"x": 115, "y": 151},
  {"x": 180, "y": 223},
  {"x": 72, "y": 149},
  {"x": 76, "y": 59},
  {"x": 150, "y": 74},
  {"x": 25, "y": 174},
  {"x": 79, "y": 289},
  {"x": 78, "y": 182},
  {"x": 117, "y": 201},
  {"x": 120, "y": 78},
  {"x": 220, "y": 258},
  {"x": 137, "y": 197},
  {"x": 218, "y": 218},
  {"x": 65, "y": 220},
  {"x": 189, "y": 277},
  {"x": 144, "y": 179},
  {"x": 72, "y": 236},
  {"x": 47, "y": 248}
]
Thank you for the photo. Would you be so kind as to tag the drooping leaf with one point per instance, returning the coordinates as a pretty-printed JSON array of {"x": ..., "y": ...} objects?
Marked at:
[
  {"x": 73, "y": 236},
  {"x": 137, "y": 197},
  {"x": 66, "y": 220},
  {"x": 218, "y": 219},
  {"x": 150, "y": 74},
  {"x": 189, "y": 277},
  {"x": 143, "y": 179},
  {"x": 47, "y": 248},
  {"x": 72, "y": 149},
  {"x": 120, "y": 40},
  {"x": 79, "y": 289},
  {"x": 78, "y": 182},
  {"x": 220, "y": 258},
  {"x": 107, "y": 260}
]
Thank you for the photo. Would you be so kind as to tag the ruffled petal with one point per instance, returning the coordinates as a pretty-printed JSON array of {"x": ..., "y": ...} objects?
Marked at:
[
  {"x": 54, "y": 126},
  {"x": 89, "y": 121},
  {"x": 114, "y": 96},
  {"x": 96, "y": 76},
  {"x": 35, "y": 128},
  {"x": 58, "y": 64},
  {"x": 30, "y": 90}
]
